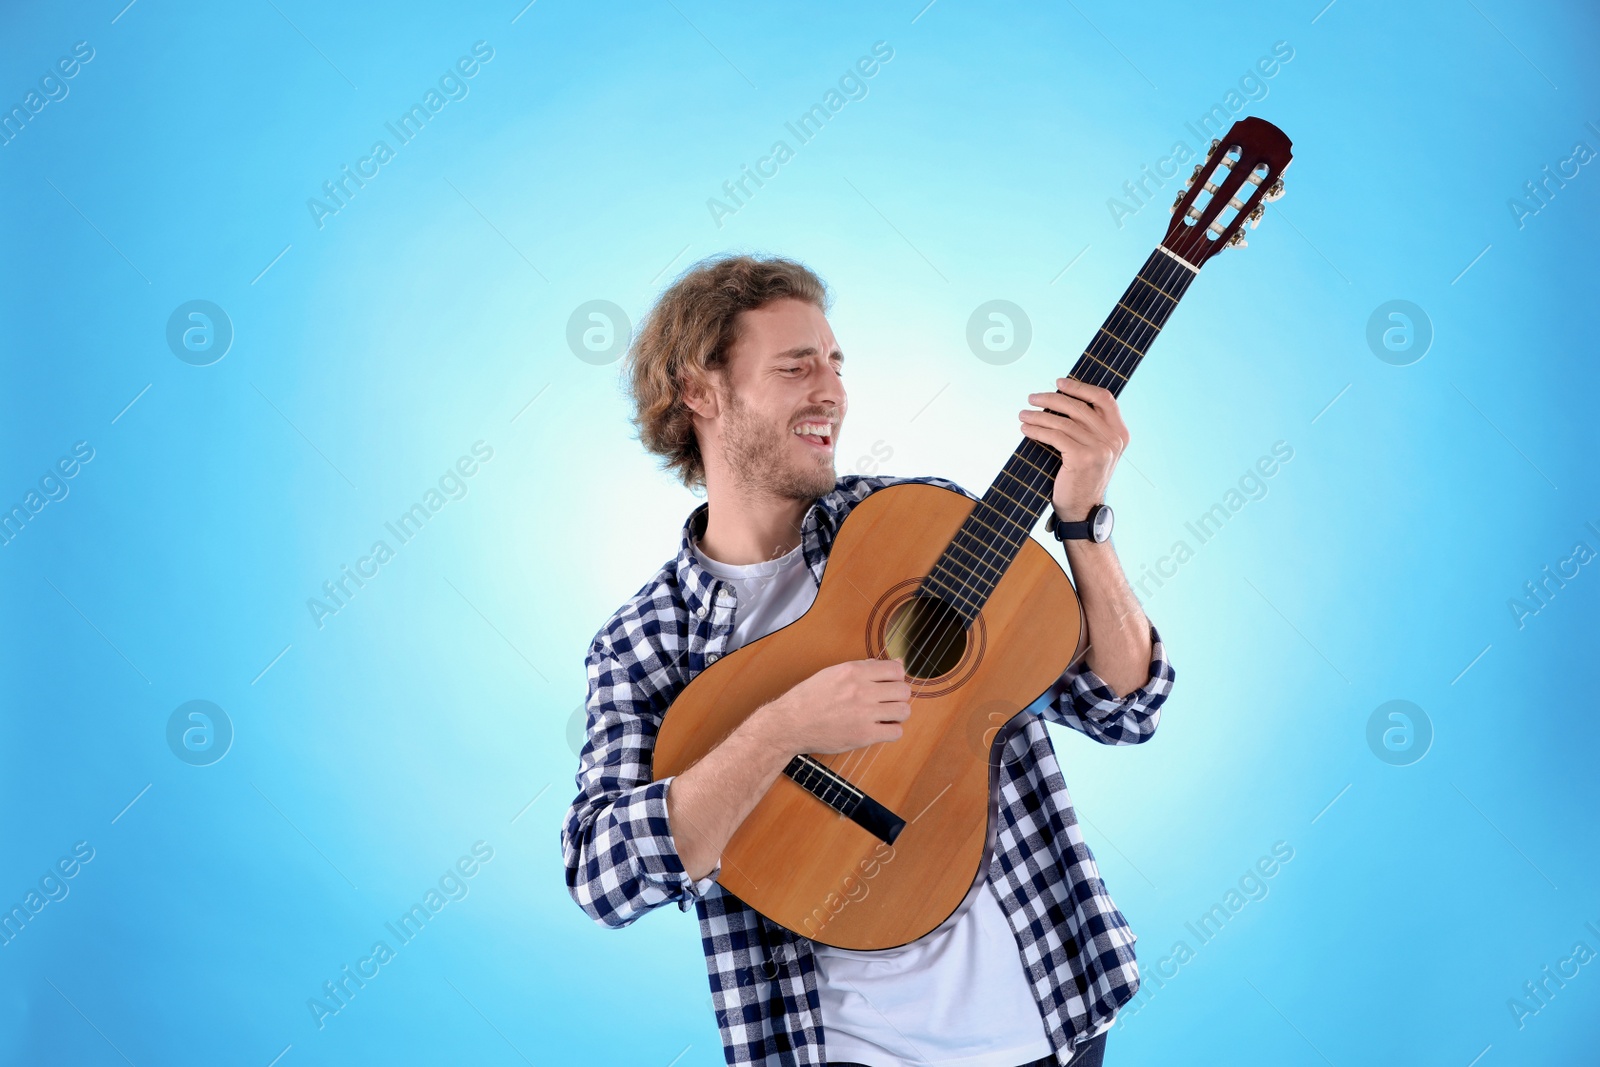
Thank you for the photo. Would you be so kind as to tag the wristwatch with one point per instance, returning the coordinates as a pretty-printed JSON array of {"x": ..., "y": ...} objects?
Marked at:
[{"x": 1096, "y": 527}]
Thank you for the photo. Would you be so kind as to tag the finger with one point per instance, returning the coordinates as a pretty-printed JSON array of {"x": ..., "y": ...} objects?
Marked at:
[
  {"x": 1079, "y": 428},
  {"x": 884, "y": 670},
  {"x": 1080, "y": 410},
  {"x": 1082, "y": 452},
  {"x": 899, "y": 691},
  {"x": 1064, "y": 434},
  {"x": 1096, "y": 396},
  {"x": 1102, "y": 400}
]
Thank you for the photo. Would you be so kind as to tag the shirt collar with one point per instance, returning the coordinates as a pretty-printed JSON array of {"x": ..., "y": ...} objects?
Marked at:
[{"x": 817, "y": 530}]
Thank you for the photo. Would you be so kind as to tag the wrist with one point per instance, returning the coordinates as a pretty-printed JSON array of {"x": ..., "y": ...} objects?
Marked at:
[
  {"x": 1074, "y": 511},
  {"x": 770, "y": 728},
  {"x": 1093, "y": 525}
]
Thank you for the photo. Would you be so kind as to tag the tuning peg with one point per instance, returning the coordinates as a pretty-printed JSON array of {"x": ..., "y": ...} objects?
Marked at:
[
  {"x": 1214, "y": 142},
  {"x": 1178, "y": 200},
  {"x": 1274, "y": 190},
  {"x": 1237, "y": 240},
  {"x": 1198, "y": 167},
  {"x": 1255, "y": 216}
]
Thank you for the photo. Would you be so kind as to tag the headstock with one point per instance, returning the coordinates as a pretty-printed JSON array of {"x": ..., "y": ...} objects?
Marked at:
[{"x": 1209, "y": 213}]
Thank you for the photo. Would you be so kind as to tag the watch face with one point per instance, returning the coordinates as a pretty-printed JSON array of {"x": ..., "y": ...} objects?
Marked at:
[{"x": 1102, "y": 524}]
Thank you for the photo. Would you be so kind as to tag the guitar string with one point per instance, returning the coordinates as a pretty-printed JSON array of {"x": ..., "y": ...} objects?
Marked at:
[{"x": 856, "y": 764}]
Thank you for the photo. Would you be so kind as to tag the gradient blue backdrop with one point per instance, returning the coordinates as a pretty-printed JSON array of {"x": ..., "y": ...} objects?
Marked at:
[{"x": 430, "y": 313}]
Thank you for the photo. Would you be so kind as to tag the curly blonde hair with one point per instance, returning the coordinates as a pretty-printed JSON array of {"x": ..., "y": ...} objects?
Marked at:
[{"x": 685, "y": 338}]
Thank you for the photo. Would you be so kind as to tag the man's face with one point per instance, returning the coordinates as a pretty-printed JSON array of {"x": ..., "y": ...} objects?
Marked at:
[{"x": 782, "y": 374}]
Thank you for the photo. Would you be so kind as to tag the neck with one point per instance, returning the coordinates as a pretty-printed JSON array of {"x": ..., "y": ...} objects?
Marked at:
[{"x": 750, "y": 528}]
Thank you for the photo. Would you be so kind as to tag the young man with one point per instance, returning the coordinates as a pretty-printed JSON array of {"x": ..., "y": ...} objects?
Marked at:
[{"x": 736, "y": 381}]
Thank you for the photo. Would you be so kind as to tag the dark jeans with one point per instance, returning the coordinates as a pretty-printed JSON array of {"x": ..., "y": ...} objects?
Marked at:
[{"x": 1089, "y": 1054}]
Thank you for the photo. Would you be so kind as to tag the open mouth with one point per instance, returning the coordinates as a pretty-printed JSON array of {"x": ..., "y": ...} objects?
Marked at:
[{"x": 818, "y": 435}]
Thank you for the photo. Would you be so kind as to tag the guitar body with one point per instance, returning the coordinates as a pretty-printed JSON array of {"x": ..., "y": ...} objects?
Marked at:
[{"x": 797, "y": 860}]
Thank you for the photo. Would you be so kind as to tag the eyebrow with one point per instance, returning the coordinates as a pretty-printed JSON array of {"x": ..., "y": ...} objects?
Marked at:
[{"x": 808, "y": 350}]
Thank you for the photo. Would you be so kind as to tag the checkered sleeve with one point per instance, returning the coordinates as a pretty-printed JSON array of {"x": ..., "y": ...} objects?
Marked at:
[
  {"x": 1081, "y": 699},
  {"x": 620, "y": 856}
]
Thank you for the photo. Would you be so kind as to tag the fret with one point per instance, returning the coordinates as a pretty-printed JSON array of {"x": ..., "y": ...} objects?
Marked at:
[
  {"x": 956, "y": 546},
  {"x": 1120, "y": 341},
  {"x": 1175, "y": 278},
  {"x": 967, "y": 589},
  {"x": 997, "y": 531},
  {"x": 1035, "y": 466},
  {"x": 1007, "y": 505},
  {"x": 1141, "y": 318},
  {"x": 1156, "y": 311},
  {"x": 965, "y": 586},
  {"x": 970, "y": 581},
  {"x": 995, "y": 488},
  {"x": 973, "y": 585},
  {"x": 1153, "y": 287},
  {"x": 1132, "y": 329},
  {"x": 1027, "y": 486},
  {"x": 1034, "y": 498},
  {"x": 1114, "y": 352},
  {"x": 1166, "y": 290},
  {"x": 1091, "y": 371},
  {"x": 1107, "y": 366},
  {"x": 961, "y": 599}
]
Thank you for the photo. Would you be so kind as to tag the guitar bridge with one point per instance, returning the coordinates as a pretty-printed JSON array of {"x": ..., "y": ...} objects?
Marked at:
[{"x": 837, "y": 792}]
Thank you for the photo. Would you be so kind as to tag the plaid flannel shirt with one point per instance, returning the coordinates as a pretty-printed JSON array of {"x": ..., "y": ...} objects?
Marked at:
[{"x": 1075, "y": 946}]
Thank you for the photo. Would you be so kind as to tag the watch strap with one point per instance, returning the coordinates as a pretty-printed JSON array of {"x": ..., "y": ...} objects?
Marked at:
[{"x": 1082, "y": 530}]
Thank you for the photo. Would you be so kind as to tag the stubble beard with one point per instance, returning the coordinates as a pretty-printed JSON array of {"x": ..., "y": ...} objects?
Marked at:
[{"x": 759, "y": 458}]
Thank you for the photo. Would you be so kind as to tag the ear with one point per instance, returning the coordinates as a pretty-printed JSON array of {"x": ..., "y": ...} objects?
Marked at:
[{"x": 700, "y": 396}]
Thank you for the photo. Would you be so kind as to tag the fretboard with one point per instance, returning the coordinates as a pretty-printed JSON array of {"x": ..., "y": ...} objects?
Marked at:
[{"x": 993, "y": 534}]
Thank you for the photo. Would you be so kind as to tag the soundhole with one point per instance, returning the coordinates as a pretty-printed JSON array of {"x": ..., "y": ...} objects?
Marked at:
[{"x": 928, "y": 635}]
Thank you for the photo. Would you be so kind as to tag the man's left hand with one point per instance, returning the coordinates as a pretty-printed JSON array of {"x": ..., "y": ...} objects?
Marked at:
[{"x": 1085, "y": 426}]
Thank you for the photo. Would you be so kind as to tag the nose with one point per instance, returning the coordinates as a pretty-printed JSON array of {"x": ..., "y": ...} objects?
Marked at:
[{"x": 829, "y": 390}]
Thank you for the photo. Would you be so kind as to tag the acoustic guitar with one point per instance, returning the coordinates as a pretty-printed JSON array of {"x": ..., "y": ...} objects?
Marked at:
[{"x": 876, "y": 847}]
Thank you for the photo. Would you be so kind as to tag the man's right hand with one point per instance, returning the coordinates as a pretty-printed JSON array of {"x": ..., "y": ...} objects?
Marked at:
[{"x": 843, "y": 707}]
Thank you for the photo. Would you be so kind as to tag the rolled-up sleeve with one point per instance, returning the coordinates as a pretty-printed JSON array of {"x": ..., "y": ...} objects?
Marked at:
[
  {"x": 619, "y": 852},
  {"x": 1081, "y": 699}
]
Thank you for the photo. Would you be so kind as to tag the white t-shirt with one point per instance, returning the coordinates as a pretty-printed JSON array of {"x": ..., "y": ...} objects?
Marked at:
[{"x": 958, "y": 997}]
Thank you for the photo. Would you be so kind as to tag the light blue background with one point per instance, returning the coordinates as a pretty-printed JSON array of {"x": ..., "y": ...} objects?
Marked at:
[{"x": 431, "y": 312}]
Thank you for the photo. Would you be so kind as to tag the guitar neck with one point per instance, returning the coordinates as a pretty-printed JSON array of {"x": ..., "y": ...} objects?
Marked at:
[{"x": 1000, "y": 523}]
